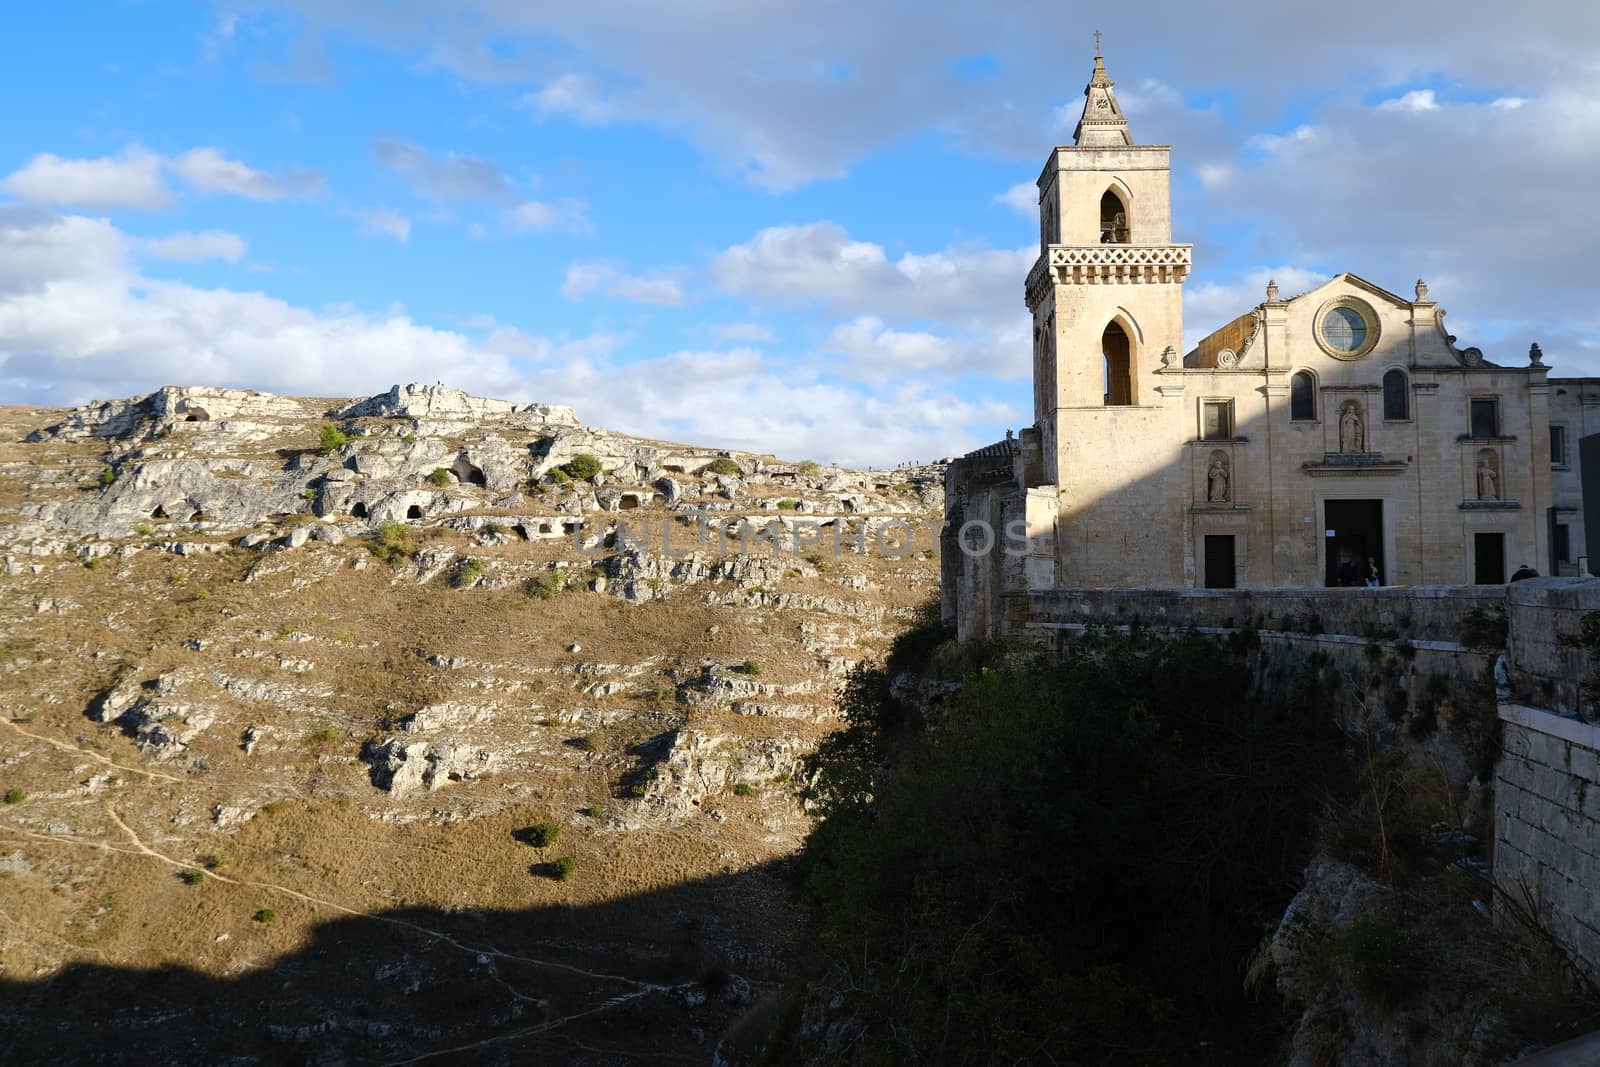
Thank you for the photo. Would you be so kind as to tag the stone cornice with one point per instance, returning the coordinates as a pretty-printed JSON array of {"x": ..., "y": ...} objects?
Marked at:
[{"x": 1108, "y": 264}]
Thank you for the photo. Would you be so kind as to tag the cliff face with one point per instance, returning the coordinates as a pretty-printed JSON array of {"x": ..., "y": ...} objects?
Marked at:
[{"x": 280, "y": 708}]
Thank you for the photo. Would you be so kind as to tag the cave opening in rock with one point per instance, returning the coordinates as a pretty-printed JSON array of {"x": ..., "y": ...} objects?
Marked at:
[
  {"x": 359, "y": 511},
  {"x": 414, "y": 512}
]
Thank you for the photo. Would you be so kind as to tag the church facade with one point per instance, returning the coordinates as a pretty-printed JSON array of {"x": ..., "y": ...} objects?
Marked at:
[{"x": 1333, "y": 437}]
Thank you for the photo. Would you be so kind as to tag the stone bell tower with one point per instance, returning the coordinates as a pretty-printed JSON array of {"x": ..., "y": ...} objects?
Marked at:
[{"x": 1107, "y": 301}]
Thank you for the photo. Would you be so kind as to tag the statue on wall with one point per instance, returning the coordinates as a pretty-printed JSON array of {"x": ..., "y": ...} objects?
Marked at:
[
  {"x": 1488, "y": 476},
  {"x": 1218, "y": 489},
  {"x": 1352, "y": 434}
]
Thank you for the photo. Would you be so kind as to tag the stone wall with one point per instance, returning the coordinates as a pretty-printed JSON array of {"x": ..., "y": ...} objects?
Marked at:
[
  {"x": 1546, "y": 786},
  {"x": 1547, "y": 824}
]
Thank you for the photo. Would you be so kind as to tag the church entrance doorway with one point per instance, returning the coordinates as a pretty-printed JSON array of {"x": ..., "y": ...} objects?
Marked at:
[
  {"x": 1489, "y": 559},
  {"x": 1354, "y": 532}
]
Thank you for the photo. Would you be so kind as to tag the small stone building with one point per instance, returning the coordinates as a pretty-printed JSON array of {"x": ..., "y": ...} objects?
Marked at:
[{"x": 1319, "y": 438}]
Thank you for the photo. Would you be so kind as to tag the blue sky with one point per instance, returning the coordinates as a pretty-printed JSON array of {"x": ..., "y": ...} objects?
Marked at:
[{"x": 800, "y": 229}]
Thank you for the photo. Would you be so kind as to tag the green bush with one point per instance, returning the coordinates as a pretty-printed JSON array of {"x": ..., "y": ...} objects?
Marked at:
[
  {"x": 393, "y": 542},
  {"x": 144, "y": 529},
  {"x": 542, "y": 834},
  {"x": 562, "y": 867},
  {"x": 440, "y": 477},
  {"x": 308, "y": 494},
  {"x": 192, "y": 877},
  {"x": 468, "y": 574},
  {"x": 108, "y": 476},
  {"x": 265, "y": 915},
  {"x": 809, "y": 469},
  {"x": 742, "y": 789},
  {"x": 581, "y": 468},
  {"x": 724, "y": 466},
  {"x": 751, "y": 668},
  {"x": 544, "y": 585},
  {"x": 558, "y": 476},
  {"x": 595, "y": 811},
  {"x": 330, "y": 439},
  {"x": 788, "y": 505},
  {"x": 15, "y": 796},
  {"x": 323, "y": 738}
]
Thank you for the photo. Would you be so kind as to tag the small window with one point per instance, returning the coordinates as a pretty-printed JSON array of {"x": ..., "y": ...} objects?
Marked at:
[
  {"x": 1396, "y": 404},
  {"x": 1561, "y": 543},
  {"x": 1485, "y": 416},
  {"x": 1216, "y": 420},
  {"x": 1303, "y": 397},
  {"x": 1558, "y": 446}
]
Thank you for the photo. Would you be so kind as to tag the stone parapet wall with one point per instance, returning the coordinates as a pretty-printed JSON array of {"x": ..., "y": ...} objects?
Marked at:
[
  {"x": 1547, "y": 824},
  {"x": 1420, "y": 613}
]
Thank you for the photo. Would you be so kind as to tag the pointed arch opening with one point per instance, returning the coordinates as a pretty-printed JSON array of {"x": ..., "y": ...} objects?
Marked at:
[
  {"x": 1117, "y": 353},
  {"x": 1114, "y": 225}
]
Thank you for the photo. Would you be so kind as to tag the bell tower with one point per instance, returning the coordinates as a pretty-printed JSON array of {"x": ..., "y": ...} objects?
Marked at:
[{"x": 1106, "y": 293}]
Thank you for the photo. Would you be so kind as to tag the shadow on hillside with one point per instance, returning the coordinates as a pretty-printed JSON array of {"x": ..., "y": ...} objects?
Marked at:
[{"x": 655, "y": 977}]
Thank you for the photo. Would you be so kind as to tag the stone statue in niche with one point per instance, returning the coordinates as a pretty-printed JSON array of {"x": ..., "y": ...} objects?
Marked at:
[
  {"x": 1218, "y": 479},
  {"x": 1352, "y": 432},
  {"x": 1488, "y": 476}
]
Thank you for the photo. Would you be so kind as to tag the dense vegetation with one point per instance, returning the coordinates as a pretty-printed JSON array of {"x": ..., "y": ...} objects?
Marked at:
[{"x": 1077, "y": 859}]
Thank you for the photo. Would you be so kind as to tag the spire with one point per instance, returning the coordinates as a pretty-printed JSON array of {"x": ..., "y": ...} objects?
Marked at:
[{"x": 1103, "y": 124}]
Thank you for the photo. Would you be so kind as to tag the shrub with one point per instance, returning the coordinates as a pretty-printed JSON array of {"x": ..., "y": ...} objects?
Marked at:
[
  {"x": 144, "y": 529},
  {"x": 192, "y": 877},
  {"x": 108, "y": 476},
  {"x": 742, "y": 789},
  {"x": 542, "y": 834},
  {"x": 562, "y": 867},
  {"x": 544, "y": 585},
  {"x": 15, "y": 796},
  {"x": 330, "y": 439},
  {"x": 788, "y": 504},
  {"x": 595, "y": 811},
  {"x": 393, "y": 542},
  {"x": 751, "y": 667},
  {"x": 817, "y": 560},
  {"x": 1483, "y": 629},
  {"x": 666, "y": 692},
  {"x": 809, "y": 469},
  {"x": 468, "y": 574},
  {"x": 440, "y": 477},
  {"x": 322, "y": 738},
  {"x": 724, "y": 466},
  {"x": 581, "y": 468},
  {"x": 215, "y": 862},
  {"x": 558, "y": 476},
  {"x": 265, "y": 915}
]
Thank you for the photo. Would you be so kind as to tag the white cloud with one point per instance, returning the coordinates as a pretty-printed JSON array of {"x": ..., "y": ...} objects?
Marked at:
[
  {"x": 447, "y": 177},
  {"x": 385, "y": 222},
  {"x": 208, "y": 171},
  {"x": 1508, "y": 103},
  {"x": 566, "y": 215},
  {"x": 741, "y": 331},
  {"x": 661, "y": 289},
  {"x": 1023, "y": 198},
  {"x": 130, "y": 179},
  {"x": 574, "y": 96},
  {"x": 819, "y": 263},
  {"x": 1418, "y": 100},
  {"x": 195, "y": 247}
]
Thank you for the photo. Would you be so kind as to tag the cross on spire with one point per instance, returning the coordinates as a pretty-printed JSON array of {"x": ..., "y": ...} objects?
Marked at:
[{"x": 1097, "y": 42}]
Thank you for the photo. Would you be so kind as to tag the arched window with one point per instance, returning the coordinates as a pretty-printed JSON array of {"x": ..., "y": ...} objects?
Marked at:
[
  {"x": 1303, "y": 397},
  {"x": 1396, "y": 404},
  {"x": 1118, "y": 367},
  {"x": 1114, "y": 226}
]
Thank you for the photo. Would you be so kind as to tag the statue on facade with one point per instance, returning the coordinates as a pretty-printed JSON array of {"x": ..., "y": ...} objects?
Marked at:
[
  {"x": 1352, "y": 434},
  {"x": 1488, "y": 479},
  {"x": 1218, "y": 478}
]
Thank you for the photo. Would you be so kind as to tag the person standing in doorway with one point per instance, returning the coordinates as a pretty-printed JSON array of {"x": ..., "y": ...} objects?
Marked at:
[{"x": 1374, "y": 579}]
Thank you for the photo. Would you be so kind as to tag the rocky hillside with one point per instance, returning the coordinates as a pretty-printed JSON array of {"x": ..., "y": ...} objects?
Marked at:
[{"x": 387, "y": 728}]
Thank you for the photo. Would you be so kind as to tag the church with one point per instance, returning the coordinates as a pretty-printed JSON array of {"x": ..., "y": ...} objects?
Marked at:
[{"x": 1333, "y": 437}]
